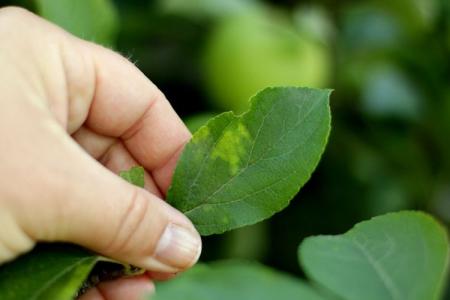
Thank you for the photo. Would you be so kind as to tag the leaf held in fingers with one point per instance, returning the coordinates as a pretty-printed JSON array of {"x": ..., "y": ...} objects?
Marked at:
[
  {"x": 238, "y": 170},
  {"x": 395, "y": 256}
]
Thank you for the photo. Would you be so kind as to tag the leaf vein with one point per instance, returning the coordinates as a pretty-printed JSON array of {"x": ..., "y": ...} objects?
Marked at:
[
  {"x": 379, "y": 270},
  {"x": 58, "y": 276}
]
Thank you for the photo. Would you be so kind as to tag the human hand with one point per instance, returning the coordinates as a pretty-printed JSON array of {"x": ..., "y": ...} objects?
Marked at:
[{"x": 72, "y": 114}]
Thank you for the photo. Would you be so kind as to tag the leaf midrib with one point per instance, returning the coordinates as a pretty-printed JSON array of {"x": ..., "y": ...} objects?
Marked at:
[
  {"x": 58, "y": 276},
  {"x": 242, "y": 198},
  {"x": 384, "y": 277}
]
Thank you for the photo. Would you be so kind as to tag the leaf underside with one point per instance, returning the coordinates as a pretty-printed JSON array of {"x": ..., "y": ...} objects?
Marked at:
[
  {"x": 238, "y": 170},
  {"x": 394, "y": 257},
  {"x": 235, "y": 280}
]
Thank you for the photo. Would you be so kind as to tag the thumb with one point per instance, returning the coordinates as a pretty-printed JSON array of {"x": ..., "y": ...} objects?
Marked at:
[{"x": 99, "y": 210}]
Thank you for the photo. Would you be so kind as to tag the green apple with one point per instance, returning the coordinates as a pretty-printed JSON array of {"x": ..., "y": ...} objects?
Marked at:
[{"x": 247, "y": 53}]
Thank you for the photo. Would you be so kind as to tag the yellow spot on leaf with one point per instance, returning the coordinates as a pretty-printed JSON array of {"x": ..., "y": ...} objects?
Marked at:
[
  {"x": 233, "y": 147},
  {"x": 201, "y": 135}
]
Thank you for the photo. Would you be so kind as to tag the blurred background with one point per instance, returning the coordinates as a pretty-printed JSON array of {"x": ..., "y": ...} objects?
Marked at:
[{"x": 387, "y": 61}]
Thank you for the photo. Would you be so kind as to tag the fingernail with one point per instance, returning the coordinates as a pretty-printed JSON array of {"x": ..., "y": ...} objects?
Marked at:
[{"x": 177, "y": 249}]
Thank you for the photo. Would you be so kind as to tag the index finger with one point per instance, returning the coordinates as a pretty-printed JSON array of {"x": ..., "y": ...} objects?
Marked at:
[{"x": 127, "y": 105}]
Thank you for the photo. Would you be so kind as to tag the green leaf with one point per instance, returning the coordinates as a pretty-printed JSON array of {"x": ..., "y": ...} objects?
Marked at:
[
  {"x": 238, "y": 170},
  {"x": 53, "y": 271},
  {"x": 234, "y": 280},
  {"x": 396, "y": 256},
  {"x": 208, "y": 9},
  {"x": 135, "y": 176},
  {"x": 95, "y": 20},
  {"x": 48, "y": 272}
]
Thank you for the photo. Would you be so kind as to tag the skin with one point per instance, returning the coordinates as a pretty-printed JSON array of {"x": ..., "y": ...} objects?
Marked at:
[{"x": 72, "y": 115}]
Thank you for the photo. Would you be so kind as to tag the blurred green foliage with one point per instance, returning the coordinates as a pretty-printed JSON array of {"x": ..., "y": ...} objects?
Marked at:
[
  {"x": 387, "y": 60},
  {"x": 91, "y": 20}
]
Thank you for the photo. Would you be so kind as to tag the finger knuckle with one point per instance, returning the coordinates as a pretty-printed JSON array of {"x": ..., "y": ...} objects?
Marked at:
[
  {"x": 125, "y": 239},
  {"x": 14, "y": 14},
  {"x": 14, "y": 24}
]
